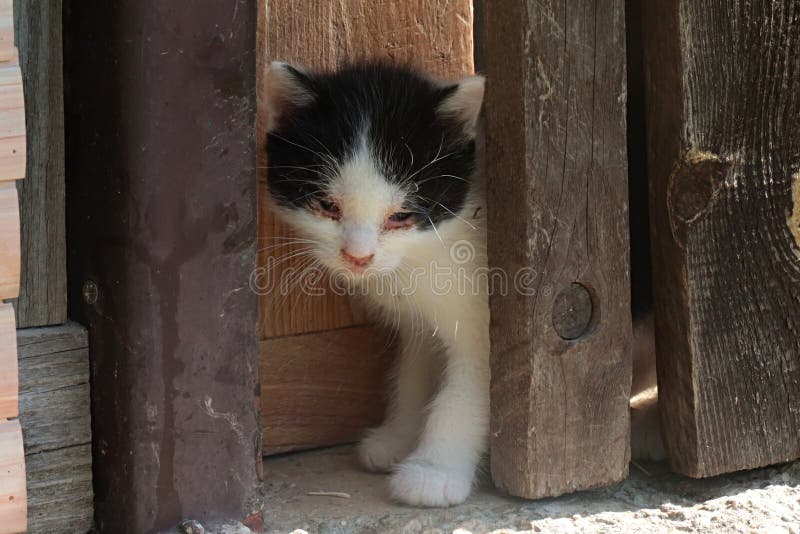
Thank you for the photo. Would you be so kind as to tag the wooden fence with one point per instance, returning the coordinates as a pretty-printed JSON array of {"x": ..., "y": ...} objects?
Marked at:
[
  {"x": 175, "y": 351},
  {"x": 13, "y": 497}
]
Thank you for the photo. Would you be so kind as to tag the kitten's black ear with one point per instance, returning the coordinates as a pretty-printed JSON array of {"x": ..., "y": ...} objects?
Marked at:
[
  {"x": 463, "y": 102},
  {"x": 287, "y": 89}
]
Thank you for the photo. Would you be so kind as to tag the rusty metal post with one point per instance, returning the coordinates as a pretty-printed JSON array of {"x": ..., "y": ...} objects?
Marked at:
[{"x": 160, "y": 131}]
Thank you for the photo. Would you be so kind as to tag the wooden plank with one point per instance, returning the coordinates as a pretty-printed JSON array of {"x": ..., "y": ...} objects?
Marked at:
[
  {"x": 723, "y": 97},
  {"x": 54, "y": 387},
  {"x": 557, "y": 208},
  {"x": 12, "y": 157},
  {"x": 34, "y": 342},
  {"x": 55, "y": 418},
  {"x": 314, "y": 393},
  {"x": 163, "y": 224},
  {"x": 9, "y": 376},
  {"x": 13, "y": 503},
  {"x": 11, "y": 95},
  {"x": 60, "y": 496},
  {"x": 429, "y": 35},
  {"x": 9, "y": 241},
  {"x": 8, "y": 52},
  {"x": 43, "y": 290}
]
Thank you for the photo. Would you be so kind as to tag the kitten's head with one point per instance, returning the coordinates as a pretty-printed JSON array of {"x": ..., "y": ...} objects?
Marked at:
[{"x": 368, "y": 161}]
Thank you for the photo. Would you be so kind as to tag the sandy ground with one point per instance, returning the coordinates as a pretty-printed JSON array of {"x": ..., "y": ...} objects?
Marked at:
[{"x": 763, "y": 500}]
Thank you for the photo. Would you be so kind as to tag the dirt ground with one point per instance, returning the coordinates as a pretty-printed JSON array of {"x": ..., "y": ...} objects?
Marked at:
[{"x": 652, "y": 500}]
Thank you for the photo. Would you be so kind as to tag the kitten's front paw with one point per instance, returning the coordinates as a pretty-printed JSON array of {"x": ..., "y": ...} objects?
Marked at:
[
  {"x": 382, "y": 448},
  {"x": 422, "y": 483},
  {"x": 646, "y": 441}
]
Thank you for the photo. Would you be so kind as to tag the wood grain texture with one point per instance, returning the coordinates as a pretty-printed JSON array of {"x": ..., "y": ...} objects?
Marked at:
[
  {"x": 723, "y": 97},
  {"x": 322, "y": 389},
  {"x": 9, "y": 377},
  {"x": 8, "y": 52},
  {"x": 13, "y": 144},
  {"x": 60, "y": 490},
  {"x": 56, "y": 425},
  {"x": 163, "y": 220},
  {"x": 54, "y": 387},
  {"x": 9, "y": 241},
  {"x": 13, "y": 504},
  {"x": 43, "y": 291},
  {"x": 557, "y": 208},
  {"x": 433, "y": 35}
]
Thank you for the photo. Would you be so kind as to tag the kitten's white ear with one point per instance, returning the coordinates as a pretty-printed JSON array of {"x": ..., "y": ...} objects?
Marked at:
[
  {"x": 465, "y": 102},
  {"x": 287, "y": 88}
]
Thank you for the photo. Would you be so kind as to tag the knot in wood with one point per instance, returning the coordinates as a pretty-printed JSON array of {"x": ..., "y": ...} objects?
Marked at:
[
  {"x": 572, "y": 311},
  {"x": 694, "y": 185}
]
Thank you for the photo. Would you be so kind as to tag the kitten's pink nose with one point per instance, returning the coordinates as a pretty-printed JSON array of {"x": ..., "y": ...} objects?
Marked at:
[{"x": 357, "y": 261}]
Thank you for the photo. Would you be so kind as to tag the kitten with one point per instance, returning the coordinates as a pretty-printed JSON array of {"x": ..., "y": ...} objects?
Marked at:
[{"x": 380, "y": 167}]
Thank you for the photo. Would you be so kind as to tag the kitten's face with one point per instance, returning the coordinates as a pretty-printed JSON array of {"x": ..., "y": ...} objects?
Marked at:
[{"x": 368, "y": 162}]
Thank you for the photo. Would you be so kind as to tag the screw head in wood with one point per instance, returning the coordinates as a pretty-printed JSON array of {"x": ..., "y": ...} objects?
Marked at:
[
  {"x": 572, "y": 311},
  {"x": 90, "y": 292}
]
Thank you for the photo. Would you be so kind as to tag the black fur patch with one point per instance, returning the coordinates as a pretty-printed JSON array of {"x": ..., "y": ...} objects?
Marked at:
[{"x": 410, "y": 141}]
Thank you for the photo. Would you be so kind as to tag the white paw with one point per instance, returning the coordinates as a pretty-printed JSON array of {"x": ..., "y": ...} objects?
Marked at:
[
  {"x": 421, "y": 483},
  {"x": 381, "y": 448},
  {"x": 646, "y": 442}
]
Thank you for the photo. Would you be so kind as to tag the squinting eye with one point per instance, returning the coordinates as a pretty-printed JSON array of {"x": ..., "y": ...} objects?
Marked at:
[
  {"x": 400, "y": 219},
  {"x": 329, "y": 208}
]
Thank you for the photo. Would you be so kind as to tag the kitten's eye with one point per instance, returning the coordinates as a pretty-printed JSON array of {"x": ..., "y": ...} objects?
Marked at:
[
  {"x": 329, "y": 208},
  {"x": 400, "y": 219}
]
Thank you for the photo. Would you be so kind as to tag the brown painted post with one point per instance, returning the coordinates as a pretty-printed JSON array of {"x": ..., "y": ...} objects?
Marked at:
[
  {"x": 160, "y": 130},
  {"x": 723, "y": 98},
  {"x": 558, "y": 224}
]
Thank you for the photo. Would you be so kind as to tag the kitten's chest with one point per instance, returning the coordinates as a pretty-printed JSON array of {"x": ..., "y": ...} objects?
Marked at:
[{"x": 439, "y": 293}]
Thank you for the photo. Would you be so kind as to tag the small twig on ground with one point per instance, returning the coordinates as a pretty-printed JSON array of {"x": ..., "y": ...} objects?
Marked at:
[
  {"x": 340, "y": 494},
  {"x": 641, "y": 468}
]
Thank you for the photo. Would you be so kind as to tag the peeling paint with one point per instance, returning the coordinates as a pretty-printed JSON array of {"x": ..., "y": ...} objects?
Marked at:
[
  {"x": 794, "y": 219},
  {"x": 229, "y": 417}
]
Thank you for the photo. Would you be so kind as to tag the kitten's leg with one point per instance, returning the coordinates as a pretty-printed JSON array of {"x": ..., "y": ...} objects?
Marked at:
[
  {"x": 415, "y": 374},
  {"x": 646, "y": 441},
  {"x": 441, "y": 470}
]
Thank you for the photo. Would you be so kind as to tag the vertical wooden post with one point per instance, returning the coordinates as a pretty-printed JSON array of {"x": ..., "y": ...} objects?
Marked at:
[
  {"x": 556, "y": 168},
  {"x": 43, "y": 292},
  {"x": 723, "y": 101},
  {"x": 160, "y": 129}
]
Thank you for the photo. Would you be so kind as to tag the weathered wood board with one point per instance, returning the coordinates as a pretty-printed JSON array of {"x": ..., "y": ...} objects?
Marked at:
[
  {"x": 8, "y": 52},
  {"x": 12, "y": 479},
  {"x": 159, "y": 131},
  {"x": 60, "y": 490},
  {"x": 323, "y": 395},
  {"x": 12, "y": 147},
  {"x": 434, "y": 36},
  {"x": 9, "y": 241},
  {"x": 56, "y": 425},
  {"x": 9, "y": 377},
  {"x": 43, "y": 292},
  {"x": 558, "y": 221},
  {"x": 723, "y": 101},
  {"x": 13, "y": 498}
]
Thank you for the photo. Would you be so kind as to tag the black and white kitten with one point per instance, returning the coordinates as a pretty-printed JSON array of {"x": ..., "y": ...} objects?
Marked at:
[{"x": 378, "y": 168}]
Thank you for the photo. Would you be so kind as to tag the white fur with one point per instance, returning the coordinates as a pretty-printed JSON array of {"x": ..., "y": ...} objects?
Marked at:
[
  {"x": 465, "y": 103},
  {"x": 283, "y": 92}
]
